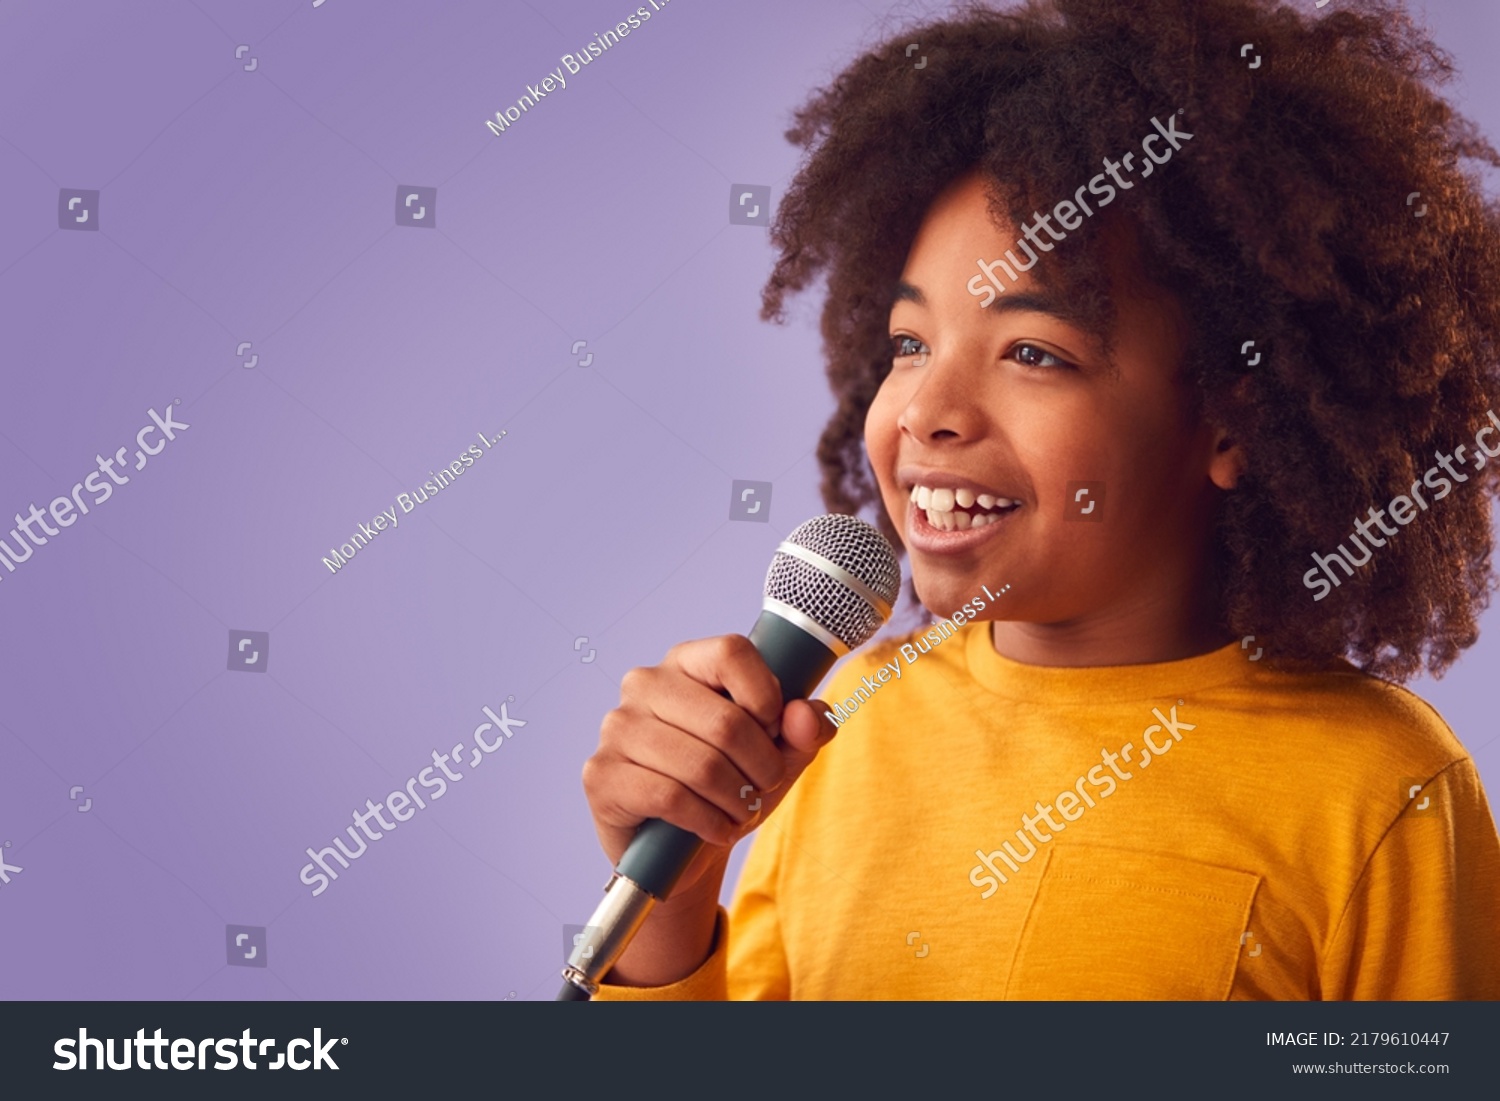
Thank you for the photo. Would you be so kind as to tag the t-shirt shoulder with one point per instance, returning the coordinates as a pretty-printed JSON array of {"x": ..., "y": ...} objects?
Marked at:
[{"x": 1384, "y": 721}]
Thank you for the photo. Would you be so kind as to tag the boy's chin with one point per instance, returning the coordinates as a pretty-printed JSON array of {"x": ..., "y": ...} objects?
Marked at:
[{"x": 944, "y": 596}]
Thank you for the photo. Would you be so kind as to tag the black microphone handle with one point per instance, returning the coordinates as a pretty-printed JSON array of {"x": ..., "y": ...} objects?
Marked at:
[{"x": 660, "y": 852}]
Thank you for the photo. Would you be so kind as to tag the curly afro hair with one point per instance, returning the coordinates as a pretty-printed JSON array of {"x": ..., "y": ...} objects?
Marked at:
[{"x": 1286, "y": 221}]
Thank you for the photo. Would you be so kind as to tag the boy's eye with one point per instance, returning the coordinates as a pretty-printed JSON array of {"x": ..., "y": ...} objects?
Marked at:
[
  {"x": 1030, "y": 355},
  {"x": 906, "y": 346}
]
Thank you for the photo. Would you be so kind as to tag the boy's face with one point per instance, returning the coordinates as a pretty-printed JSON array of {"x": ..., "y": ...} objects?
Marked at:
[{"x": 1017, "y": 403}]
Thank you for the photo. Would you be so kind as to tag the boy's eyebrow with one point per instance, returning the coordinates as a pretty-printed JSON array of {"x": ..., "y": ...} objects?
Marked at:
[{"x": 1032, "y": 302}]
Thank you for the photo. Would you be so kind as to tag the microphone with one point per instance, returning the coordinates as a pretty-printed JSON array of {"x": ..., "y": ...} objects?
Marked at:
[{"x": 830, "y": 587}]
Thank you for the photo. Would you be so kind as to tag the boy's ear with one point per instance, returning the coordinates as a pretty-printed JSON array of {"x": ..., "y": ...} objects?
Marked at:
[{"x": 1228, "y": 463}]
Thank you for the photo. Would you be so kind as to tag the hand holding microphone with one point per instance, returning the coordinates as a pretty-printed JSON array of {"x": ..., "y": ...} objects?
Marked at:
[
  {"x": 677, "y": 749},
  {"x": 717, "y": 717}
]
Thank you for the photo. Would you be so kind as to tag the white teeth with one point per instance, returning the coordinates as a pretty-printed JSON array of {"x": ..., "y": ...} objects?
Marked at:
[
  {"x": 959, "y": 521},
  {"x": 938, "y": 503}
]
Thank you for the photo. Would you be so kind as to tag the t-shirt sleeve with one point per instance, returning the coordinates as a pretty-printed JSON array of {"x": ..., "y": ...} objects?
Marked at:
[
  {"x": 704, "y": 985},
  {"x": 1422, "y": 921},
  {"x": 748, "y": 961},
  {"x": 757, "y": 956}
]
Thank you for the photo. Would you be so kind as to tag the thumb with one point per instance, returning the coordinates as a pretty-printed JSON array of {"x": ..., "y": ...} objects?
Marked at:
[{"x": 805, "y": 729}]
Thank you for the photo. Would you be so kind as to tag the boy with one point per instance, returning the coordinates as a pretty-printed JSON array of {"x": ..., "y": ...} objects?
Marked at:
[{"x": 1144, "y": 335}]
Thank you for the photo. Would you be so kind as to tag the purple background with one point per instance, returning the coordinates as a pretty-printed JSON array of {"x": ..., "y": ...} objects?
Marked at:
[{"x": 258, "y": 206}]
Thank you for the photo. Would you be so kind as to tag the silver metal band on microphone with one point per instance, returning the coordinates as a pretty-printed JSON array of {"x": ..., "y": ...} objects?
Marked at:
[
  {"x": 807, "y": 623},
  {"x": 838, "y": 573}
]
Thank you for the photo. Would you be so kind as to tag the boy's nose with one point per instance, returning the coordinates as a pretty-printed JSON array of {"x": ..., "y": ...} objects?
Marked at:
[{"x": 944, "y": 405}]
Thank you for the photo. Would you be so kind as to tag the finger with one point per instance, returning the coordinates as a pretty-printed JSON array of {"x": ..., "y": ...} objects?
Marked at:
[
  {"x": 677, "y": 700},
  {"x": 730, "y": 662},
  {"x": 623, "y": 794},
  {"x": 690, "y": 761},
  {"x": 805, "y": 729}
]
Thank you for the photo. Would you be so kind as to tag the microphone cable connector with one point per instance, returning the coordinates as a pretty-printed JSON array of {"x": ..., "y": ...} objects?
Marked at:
[{"x": 604, "y": 939}]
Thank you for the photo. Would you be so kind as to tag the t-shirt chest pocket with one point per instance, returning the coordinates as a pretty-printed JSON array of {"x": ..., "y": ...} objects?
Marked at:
[{"x": 1119, "y": 924}]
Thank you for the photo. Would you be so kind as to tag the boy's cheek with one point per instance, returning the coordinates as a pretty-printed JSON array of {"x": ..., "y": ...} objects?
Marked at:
[
  {"x": 881, "y": 417},
  {"x": 882, "y": 437}
]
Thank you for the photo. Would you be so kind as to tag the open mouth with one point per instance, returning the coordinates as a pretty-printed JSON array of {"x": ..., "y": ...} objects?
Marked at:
[{"x": 960, "y": 509}]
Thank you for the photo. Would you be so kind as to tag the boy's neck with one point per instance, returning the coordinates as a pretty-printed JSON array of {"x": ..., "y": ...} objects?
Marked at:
[{"x": 1126, "y": 642}]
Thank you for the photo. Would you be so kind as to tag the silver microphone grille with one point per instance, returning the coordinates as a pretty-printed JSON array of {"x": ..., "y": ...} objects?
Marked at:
[{"x": 853, "y": 548}]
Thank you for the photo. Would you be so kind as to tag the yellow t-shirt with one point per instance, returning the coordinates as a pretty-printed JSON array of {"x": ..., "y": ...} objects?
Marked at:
[{"x": 1257, "y": 834}]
